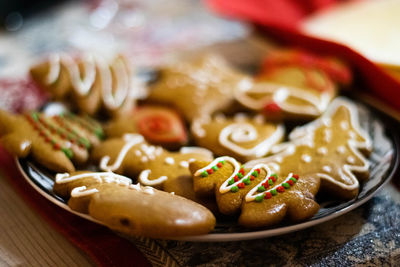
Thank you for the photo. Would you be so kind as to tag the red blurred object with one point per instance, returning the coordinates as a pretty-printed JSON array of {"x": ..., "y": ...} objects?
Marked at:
[{"x": 281, "y": 20}]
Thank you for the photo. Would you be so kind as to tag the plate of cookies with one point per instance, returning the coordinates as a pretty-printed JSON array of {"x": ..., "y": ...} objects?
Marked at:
[{"x": 208, "y": 152}]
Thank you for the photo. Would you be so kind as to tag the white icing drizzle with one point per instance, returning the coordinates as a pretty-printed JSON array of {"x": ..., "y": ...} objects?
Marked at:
[
  {"x": 327, "y": 135},
  {"x": 138, "y": 152},
  {"x": 148, "y": 190},
  {"x": 306, "y": 158},
  {"x": 245, "y": 132},
  {"x": 322, "y": 150},
  {"x": 144, "y": 159},
  {"x": 144, "y": 178},
  {"x": 236, "y": 168},
  {"x": 94, "y": 66},
  {"x": 344, "y": 125},
  {"x": 251, "y": 196},
  {"x": 351, "y": 159},
  {"x": 131, "y": 140},
  {"x": 169, "y": 160},
  {"x": 81, "y": 191},
  {"x": 279, "y": 94},
  {"x": 101, "y": 177}
]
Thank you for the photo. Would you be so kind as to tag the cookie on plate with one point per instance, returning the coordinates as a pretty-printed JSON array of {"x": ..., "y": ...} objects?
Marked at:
[
  {"x": 294, "y": 85},
  {"x": 242, "y": 137},
  {"x": 154, "y": 166},
  {"x": 197, "y": 88},
  {"x": 131, "y": 208},
  {"x": 157, "y": 124},
  {"x": 93, "y": 83},
  {"x": 57, "y": 142}
]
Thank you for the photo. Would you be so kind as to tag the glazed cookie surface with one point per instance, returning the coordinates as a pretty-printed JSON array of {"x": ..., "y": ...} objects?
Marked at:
[
  {"x": 56, "y": 142},
  {"x": 242, "y": 137},
  {"x": 133, "y": 209}
]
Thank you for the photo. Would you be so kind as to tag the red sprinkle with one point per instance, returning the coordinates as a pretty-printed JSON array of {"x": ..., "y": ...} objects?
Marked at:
[
  {"x": 210, "y": 171},
  {"x": 296, "y": 176},
  {"x": 290, "y": 182},
  {"x": 57, "y": 146},
  {"x": 266, "y": 185},
  {"x": 258, "y": 170},
  {"x": 252, "y": 178},
  {"x": 47, "y": 139},
  {"x": 272, "y": 178},
  {"x": 268, "y": 195},
  {"x": 219, "y": 165},
  {"x": 280, "y": 189},
  {"x": 241, "y": 185},
  {"x": 272, "y": 107},
  {"x": 242, "y": 171},
  {"x": 236, "y": 178}
]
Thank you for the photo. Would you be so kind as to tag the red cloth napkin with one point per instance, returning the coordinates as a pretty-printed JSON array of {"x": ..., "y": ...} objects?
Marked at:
[{"x": 281, "y": 19}]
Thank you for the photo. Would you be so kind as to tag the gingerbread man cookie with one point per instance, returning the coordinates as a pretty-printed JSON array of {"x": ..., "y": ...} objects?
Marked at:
[
  {"x": 132, "y": 209},
  {"x": 152, "y": 165},
  {"x": 56, "y": 142},
  {"x": 157, "y": 124},
  {"x": 91, "y": 81},
  {"x": 241, "y": 137},
  {"x": 294, "y": 85},
  {"x": 197, "y": 88}
]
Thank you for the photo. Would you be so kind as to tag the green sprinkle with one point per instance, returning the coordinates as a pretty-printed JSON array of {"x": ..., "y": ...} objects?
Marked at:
[
  {"x": 273, "y": 192},
  {"x": 231, "y": 182},
  {"x": 84, "y": 142},
  {"x": 35, "y": 116},
  {"x": 240, "y": 175},
  {"x": 99, "y": 133},
  {"x": 274, "y": 174},
  {"x": 204, "y": 174},
  {"x": 246, "y": 181},
  {"x": 53, "y": 141},
  {"x": 222, "y": 162},
  {"x": 255, "y": 174},
  {"x": 215, "y": 168},
  {"x": 234, "y": 189},
  {"x": 68, "y": 152},
  {"x": 286, "y": 185},
  {"x": 270, "y": 182},
  {"x": 293, "y": 179},
  {"x": 260, "y": 198},
  {"x": 261, "y": 189}
]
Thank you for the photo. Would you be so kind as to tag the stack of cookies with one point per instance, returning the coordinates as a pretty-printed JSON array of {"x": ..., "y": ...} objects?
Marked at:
[{"x": 207, "y": 141}]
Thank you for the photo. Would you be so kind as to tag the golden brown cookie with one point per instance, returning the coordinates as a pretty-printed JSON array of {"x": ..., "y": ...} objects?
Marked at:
[
  {"x": 197, "y": 88},
  {"x": 294, "y": 85},
  {"x": 330, "y": 147},
  {"x": 131, "y": 208},
  {"x": 157, "y": 124},
  {"x": 242, "y": 137},
  {"x": 93, "y": 83},
  {"x": 261, "y": 196},
  {"x": 57, "y": 142},
  {"x": 154, "y": 166}
]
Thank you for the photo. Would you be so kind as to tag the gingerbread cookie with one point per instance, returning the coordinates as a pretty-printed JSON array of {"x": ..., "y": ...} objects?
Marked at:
[
  {"x": 93, "y": 83},
  {"x": 263, "y": 197},
  {"x": 132, "y": 209},
  {"x": 197, "y": 88},
  {"x": 294, "y": 85},
  {"x": 157, "y": 124},
  {"x": 152, "y": 165},
  {"x": 241, "y": 137},
  {"x": 330, "y": 147},
  {"x": 57, "y": 142}
]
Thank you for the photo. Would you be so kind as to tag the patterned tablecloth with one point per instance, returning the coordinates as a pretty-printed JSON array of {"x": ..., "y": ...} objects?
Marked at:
[{"x": 145, "y": 32}]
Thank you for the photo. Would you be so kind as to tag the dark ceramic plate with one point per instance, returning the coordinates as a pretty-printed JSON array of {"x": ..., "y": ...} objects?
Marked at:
[{"x": 384, "y": 163}]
